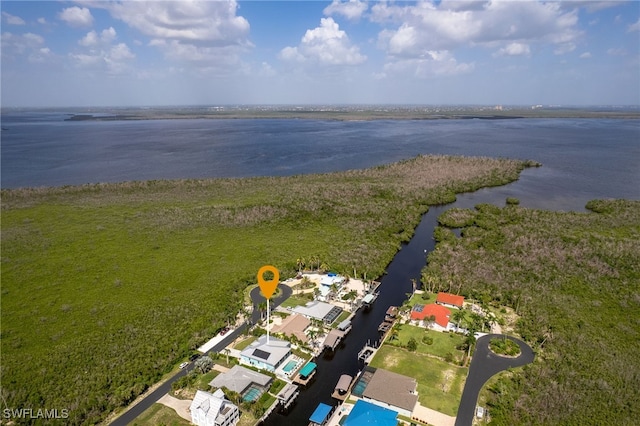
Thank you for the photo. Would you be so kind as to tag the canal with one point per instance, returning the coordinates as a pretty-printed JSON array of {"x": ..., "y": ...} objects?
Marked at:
[{"x": 395, "y": 284}]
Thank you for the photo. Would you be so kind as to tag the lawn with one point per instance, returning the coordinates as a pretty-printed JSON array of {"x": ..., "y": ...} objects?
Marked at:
[
  {"x": 159, "y": 414},
  {"x": 439, "y": 384},
  {"x": 122, "y": 281},
  {"x": 443, "y": 343},
  {"x": 245, "y": 343},
  {"x": 295, "y": 300}
]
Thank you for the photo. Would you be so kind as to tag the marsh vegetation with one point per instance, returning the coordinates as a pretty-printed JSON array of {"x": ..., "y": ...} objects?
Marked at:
[
  {"x": 107, "y": 287},
  {"x": 574, "y": 280}
]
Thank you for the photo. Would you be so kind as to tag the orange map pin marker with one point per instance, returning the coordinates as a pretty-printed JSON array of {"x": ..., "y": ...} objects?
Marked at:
[{"x": 268, "y": 287}]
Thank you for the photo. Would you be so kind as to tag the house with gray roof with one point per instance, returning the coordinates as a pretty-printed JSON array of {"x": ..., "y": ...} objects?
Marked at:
[
  {"x": 320, "y": 311},
  {"x": 239, "y": 379},
  {"x": 393, "y": 391},
  {"x": 266, "y": 355}
]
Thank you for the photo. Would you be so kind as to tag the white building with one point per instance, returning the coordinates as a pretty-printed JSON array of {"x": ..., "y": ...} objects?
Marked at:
[
  {"x": 266, "y": 356},
  {"x": 212, "y": 409}
]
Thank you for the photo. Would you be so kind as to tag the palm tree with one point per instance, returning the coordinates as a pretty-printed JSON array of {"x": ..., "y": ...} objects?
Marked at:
[
  {"x": 262, "y": 307},
  {"x": 457, "y": 316}
]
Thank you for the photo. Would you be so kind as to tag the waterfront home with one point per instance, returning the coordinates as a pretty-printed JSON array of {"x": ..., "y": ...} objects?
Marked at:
[
  {"x": 294, "y": 325},
  {"x": 212, "y": 409},
  {"x": 266, "y": 355},
  {"x": 436, "y": 315},
  {"x": 387, "y": 389},
  {"x": 248, "y": 383},
  {"x": 450, "y": 300},
  {"x": 325, "y": 312}
]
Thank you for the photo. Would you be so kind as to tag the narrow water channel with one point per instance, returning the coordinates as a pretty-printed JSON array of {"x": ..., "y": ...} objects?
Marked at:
[{"x": 395, "y": 285}]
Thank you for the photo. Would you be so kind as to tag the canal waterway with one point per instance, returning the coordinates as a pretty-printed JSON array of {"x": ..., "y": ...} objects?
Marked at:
[{"x": 394, "y": 286}]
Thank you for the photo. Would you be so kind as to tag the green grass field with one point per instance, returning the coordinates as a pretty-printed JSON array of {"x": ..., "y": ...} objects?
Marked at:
[
  {"x": 159, "y": 414},
  {"x": 443, "y": 343},
  {"x": 107, "y": 287},
  {"x": 439, "y": 384}
]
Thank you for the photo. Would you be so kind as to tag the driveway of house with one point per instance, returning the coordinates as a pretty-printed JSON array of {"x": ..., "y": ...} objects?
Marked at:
[
  {"x": 180, "y": 405},
  {"x": 483, "y": 366}
]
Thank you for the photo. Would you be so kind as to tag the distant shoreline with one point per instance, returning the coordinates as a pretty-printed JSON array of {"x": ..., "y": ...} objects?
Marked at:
[{"x": 349, "y": 113}]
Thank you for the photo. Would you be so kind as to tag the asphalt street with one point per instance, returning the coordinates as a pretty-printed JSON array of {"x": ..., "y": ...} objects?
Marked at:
[
  {"x": 484, "y": 365},
  {"x": 257, "y": 298}
]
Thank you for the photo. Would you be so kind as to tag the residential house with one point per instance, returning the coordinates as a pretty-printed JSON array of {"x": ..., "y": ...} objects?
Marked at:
[
  {"x": 450, "y": 300},
  {"x": 294, "y": 325},
  {"x": 441, "y": 315},
  {"x": 212, "y": 409},
  {"x": 248, "y": 383},
  {"x": 266, "y": 355}
]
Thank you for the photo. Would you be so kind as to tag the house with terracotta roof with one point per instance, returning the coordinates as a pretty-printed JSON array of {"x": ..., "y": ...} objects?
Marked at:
[
  {"x": 294, "y": 325},
  {"x": 440, "y": 314},
  {"x": 450, "y": 300}
]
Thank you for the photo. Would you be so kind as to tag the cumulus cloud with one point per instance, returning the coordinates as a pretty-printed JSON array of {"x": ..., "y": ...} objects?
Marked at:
[
  {"x": 634, "y": 27},
  {"x": 432, "y": 64},
  {"x": 204, "y": 33},
  {"x": 12, "y": 20},
  {"x": 585, "y": 55},
  {"x": 92, "y": 38},
  {"x": 326, "y": 45},
  {"x": 14, "y": 45},
  {"x": 350, "y": 9},
  {"x": 76, "y": 16},
  {"x": 453, "y": 24},
  {"x": 111, "y": 59},
  {"x": 514, "y": 49}
]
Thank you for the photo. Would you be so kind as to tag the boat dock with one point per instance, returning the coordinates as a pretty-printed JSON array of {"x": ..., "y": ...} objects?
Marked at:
[
  {"x": 333, "y": 339},
  {"x": 342, "y": 388},
  {"x": 306, "y": 374},
  {"x": 367, "y": 352}
]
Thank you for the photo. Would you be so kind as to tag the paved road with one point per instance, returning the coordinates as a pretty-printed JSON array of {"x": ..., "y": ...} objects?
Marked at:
[
  {"x": 483, "y": 366},
  {"x": 165, "y": 387}
]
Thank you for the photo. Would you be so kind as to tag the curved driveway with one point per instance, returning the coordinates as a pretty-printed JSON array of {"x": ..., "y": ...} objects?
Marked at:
[
  {"x": 483, "y": 366},
  {"x": 134, "y": 411}
]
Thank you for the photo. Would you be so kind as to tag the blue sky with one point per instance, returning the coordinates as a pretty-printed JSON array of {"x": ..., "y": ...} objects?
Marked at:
[{"x": 516, "y": 52}]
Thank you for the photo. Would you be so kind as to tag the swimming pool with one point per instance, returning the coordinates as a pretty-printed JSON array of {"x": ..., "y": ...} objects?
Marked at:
[
  {"x": 252, "y": 394},
  {"x": 290, "y": 366},
  {"x": 363, "y": 381}
]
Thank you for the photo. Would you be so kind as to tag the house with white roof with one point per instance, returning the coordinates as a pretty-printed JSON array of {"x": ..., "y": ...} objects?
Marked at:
[
  {"x": 266, "y": 355},
  {"x": 320, "y": 311},
  {"x": 212, "y": 409}
]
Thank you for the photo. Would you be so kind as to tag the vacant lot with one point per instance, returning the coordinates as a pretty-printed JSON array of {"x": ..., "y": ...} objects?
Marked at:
[
  {"x": 439, "y": 384},
  {"x": 107, "y": 287}
]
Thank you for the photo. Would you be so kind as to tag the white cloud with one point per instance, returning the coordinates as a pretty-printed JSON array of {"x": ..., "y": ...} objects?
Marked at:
[
  {"x": 42, "y": 21},
  {"x": 111, "y": 59},
  {"x": 617, "y": 52},
  {"x": 202, "y": 33},
  {"x": 634, "y": 27},
  {"x": 453, "y": 24},
  {"x": 585, "y": 55},
  {"x": 327, "y": 45},
  {"x": 205, "y": 22},
  {"x": 350, "y": 9},
  {"x": 563, "y": 48},
  {"x": 91, "y": 39},
  {"x": 12, "y": 20},
  {"x": 14, "y": 45},
  {"x": 76, "y": 16},
  {"x": 514, "y": 49},
  {"x": 432, "y": 64}
]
